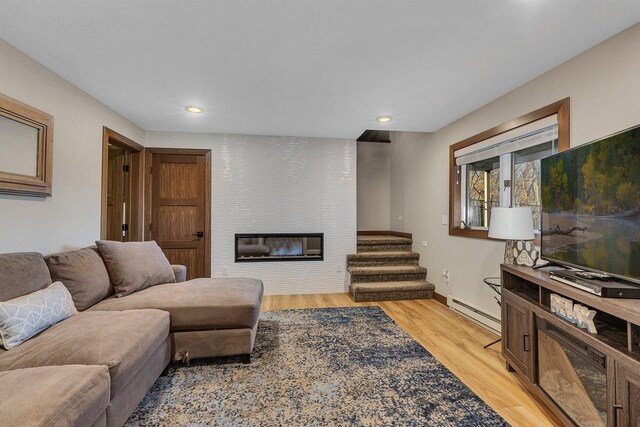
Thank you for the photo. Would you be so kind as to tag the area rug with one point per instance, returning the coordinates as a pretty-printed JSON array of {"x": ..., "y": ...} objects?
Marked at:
[{"x": 318, "y": 367}]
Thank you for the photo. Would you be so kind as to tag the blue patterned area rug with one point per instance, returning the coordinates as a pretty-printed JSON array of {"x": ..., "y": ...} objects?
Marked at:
[{"x": 318, "y": 367}]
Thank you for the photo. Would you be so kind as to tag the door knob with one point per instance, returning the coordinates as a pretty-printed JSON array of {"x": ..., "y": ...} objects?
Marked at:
[{"x": 198, "y": 234}]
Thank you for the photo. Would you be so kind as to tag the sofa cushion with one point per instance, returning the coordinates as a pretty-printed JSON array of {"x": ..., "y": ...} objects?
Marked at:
[
  {"x": 120, "y": 340},
  {"x": 134, "y": 266},
  {"x": 198, "y": 304},
  {"x": 23, "y": 317},
  {"x": 83, "y": 272},
  {"x": 22, "y": 273},
  {"x": 71, "y": 395}
]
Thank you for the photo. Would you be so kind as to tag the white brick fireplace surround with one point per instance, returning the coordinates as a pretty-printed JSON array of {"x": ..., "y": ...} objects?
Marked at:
[{"x": 266, "y": 184}]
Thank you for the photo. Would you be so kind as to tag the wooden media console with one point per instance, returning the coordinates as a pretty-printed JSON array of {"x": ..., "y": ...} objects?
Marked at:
[{"x": 587, "y": 379}]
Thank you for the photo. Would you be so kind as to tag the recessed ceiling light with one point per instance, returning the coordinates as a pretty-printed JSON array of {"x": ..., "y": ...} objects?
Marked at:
[
  {"x": 384, "y": 119},
  {"x": 193, "y": 109}
]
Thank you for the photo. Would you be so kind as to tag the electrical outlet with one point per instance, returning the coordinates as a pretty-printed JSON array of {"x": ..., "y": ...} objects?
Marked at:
[
  {"x": 339, "y": 268},
  {"x": 400, "y": 218},
  {"x": 424, "y": 243},
  {"x": 225, "y": 270}
]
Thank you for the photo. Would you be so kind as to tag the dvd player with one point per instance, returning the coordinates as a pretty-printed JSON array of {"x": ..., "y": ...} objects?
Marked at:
[{"x": 596, "y": 283}]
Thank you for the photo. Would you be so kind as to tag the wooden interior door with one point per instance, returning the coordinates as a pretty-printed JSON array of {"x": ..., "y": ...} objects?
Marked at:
[
  {"x": 117, "y": 194},
  {"x": 179, "y": 200}
]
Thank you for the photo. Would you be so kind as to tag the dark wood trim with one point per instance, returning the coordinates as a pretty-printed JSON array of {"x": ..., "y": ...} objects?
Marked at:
[
  {"x": 561, "y": 108},
  {"x": 373, "y": 233},
  {"x": 440, "y": 298},
  {"x": 30, "y": 185},
  {"x": 384, "y": 233},
  {"x": 179, "y": 151},
  {"x": 136, "y": 186},
  {"x": 148, "y": 162},
  {"x": 207, "y": 213},
  {"x": 122, "y": 141}
]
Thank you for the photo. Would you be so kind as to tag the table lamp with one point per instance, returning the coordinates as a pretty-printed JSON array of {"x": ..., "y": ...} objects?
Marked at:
[{"x": 511, "y": 224}]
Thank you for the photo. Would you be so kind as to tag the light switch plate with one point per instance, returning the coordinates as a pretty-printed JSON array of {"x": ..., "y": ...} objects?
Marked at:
[{"x": 445, "y": 220}]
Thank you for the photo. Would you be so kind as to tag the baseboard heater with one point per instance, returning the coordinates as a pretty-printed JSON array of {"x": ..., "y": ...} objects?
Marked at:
[{"x": 474, "y": 314}]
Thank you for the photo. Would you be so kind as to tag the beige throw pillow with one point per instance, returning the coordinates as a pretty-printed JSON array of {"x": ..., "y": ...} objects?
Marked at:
[
  {"x": 23, "y": 317},
  {"x": 83, "y": 272},
  {"x": 134, "y": 266}
]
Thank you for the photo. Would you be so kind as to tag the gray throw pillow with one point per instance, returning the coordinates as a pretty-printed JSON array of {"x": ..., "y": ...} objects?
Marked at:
[
  {"x": 23, "y": 317},
  {"x": 83, "y": 272},
  {"x": 134, "y": 266}
]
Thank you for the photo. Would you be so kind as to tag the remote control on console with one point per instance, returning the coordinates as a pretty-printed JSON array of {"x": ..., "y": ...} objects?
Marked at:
[{"x": 591, "y": 275}]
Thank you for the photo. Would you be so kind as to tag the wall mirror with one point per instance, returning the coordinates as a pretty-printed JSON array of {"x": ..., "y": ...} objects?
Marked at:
[{"x": 26, "y": 147}]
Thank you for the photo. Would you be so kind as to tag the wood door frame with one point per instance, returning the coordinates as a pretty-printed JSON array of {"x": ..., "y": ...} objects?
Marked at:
[
  {"x": 148, "y": 162},
  {"x": 135, "y": 216}
]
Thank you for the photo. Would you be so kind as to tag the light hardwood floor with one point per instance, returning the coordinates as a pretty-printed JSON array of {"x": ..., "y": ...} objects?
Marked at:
[{"x": 456, "y": 342}]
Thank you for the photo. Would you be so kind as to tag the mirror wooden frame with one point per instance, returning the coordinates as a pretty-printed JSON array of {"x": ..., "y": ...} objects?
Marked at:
[{"x": 40, "y": 184}]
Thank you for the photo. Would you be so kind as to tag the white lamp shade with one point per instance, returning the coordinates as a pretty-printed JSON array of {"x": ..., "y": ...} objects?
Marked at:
[{"x": 511, "y": 224}]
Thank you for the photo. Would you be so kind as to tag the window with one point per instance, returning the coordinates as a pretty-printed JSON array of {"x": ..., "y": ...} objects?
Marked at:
[
  {"x": 501, "y": 167},
  {"x": 510, "y": 179},
  {"x": 482, "y": 189},
  {"x": 525, "y": 188}
]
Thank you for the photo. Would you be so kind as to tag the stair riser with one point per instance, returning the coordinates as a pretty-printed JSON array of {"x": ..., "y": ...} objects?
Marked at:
[
  {"x": 391, "y": 296},
  {"x": 357, "y": 278},
  {"x": 382, "y": 262},
  {"x": 384, "y": 248}
]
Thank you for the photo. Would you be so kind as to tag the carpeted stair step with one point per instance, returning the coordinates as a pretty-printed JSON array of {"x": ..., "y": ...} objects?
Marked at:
[
  {"x": 386, "y": 269},
  {"x": 382, "y": 258},
  {"x": 394, "y": 273},
  {"x": 391, "y": 291},
  {"x": 384, "y": 244}
]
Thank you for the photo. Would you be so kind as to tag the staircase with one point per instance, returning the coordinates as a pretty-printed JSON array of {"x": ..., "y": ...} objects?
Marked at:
[{"x": 385, "y": 269}]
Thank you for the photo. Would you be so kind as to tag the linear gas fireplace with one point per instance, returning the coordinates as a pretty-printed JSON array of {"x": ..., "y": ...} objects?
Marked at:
[{"x": 279, "y": 247}]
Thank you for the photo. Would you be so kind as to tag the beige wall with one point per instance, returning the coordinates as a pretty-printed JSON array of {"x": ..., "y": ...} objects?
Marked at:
[
  {"x": 71, "y": 217},
  {"x": 604, "y": 87},
  {"x": 373, "y": 185}
]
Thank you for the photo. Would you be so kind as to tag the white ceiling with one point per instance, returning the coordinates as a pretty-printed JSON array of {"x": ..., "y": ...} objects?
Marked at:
[{"x": 316, "y": 68}]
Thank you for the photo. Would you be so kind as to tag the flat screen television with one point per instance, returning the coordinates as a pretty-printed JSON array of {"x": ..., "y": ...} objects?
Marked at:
[{"x": 591, "y": 206}]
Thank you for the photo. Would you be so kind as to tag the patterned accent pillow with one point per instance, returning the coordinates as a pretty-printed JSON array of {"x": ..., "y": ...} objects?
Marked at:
[{"x": 23, "y": 317}]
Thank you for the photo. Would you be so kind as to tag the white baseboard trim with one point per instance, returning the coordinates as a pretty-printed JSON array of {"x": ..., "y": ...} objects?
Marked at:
[{"x": 474, "y": 314}]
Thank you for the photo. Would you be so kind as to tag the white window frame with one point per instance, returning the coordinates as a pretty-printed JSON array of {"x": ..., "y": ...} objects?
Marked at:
[{"x": 504, "y": 146}]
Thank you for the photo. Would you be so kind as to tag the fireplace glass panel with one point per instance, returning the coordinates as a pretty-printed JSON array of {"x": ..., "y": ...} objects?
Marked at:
[
  {"x": 279, "y": 247},
  {"x": 573, "y": 375}
]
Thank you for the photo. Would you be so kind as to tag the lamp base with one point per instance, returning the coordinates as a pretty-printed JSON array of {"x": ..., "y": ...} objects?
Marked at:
[{"x": 509, "y": 256}]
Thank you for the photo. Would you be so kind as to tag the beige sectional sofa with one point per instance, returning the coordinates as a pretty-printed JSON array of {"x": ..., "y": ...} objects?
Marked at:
[
  {"x": 115, "y": 346},
  {"x": 71, "y": 395}
]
